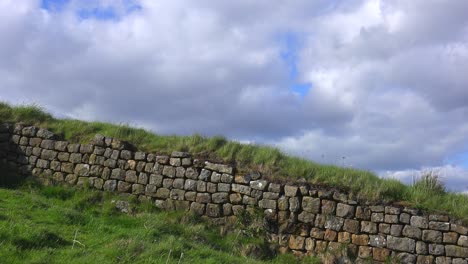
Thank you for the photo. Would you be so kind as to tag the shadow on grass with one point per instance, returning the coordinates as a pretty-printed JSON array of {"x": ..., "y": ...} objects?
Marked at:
[{"x": 10, "y": 177}]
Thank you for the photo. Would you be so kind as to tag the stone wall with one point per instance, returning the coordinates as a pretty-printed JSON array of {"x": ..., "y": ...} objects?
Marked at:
[{"x": 298, "y": 217}]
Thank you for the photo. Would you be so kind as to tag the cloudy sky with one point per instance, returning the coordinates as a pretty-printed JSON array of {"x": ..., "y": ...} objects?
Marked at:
[{"x": 379, "y": 85}]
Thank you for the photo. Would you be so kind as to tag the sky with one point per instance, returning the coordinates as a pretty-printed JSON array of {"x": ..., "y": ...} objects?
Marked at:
[{"x": 380, "y": 85}]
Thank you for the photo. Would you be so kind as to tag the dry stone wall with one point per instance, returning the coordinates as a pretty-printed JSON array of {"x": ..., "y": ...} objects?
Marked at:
[{"x": 297, "y": 217}]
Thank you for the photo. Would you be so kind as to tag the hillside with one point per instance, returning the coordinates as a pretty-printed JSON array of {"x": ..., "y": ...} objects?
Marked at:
[
  {"x": 40, "y": 224},
  {"x": 275, "y": 165}
]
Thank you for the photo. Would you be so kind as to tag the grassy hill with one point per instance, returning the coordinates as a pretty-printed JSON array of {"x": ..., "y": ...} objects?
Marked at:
[
  {"x": 426, "y": 194},
  {"x": 66, "y": 225}
]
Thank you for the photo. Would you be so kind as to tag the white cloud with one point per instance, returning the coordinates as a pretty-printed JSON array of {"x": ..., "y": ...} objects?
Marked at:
[{"x": 388, "y": 87}]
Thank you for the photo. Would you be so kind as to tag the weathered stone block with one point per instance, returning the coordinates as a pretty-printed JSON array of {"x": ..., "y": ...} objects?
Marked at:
[
  {"x": 177, "y": 194},
  {"x": 75, "y": 158},
  {"x": 167, "y": 183},
  {"x": 204, "y": 175},
  {"x": 377, "y": 241},
  {"x": 168, "y": 171},
  {"x": 442, "y": 226},
  {"x": 436, "y": 250},
  {"x": 118, "y": 174},
  {"x": 363, "y": 213},
  {"x": 219, "y": 167},
  {"x": 456, "y": 251},
  {"x": 401, "y": 244},
  {"x": 178, "y": 184},
  {"x": 124, "y": 186},
  {"x": 360, "y": 240},
  {"x": 421, "y": 248},
  {"x": 377, "y": 217},
  {"x": 391, "y": 219},
  {"x": 203, "y": 198},
  {"x": 156, "y": 180},
  {"x": 368, "y": 227},
  {"x": 344, "y": 210},
  {"x": 412, "y": 232},
  {"x": 450, "y": 238},
  {"x": 463, "y": 241},
  {"x": 239, "y": 188},
  {"x": 432, "y": 236},
  {"x": 334, "y": 223},
  {"x": 226, "y": 178},
  {"x": 306, "y": 217},
  {"x": 351, "y": 226},
  {"x": 396, "y": 230},
  {"x": 328, "y": 207},
  {"x": 197, "y": 208},
  {"x": 380, "y": 254},
  {"x": 311, "y": 205},
  {"x": 459, "y": 229},
  {"x": 259, "y": 185},
  {"x": 330, "y": 235},
  {"x": 213, "y": 210},
  {"x": 425, "y": 260},
  {"x": 191, "y": 173},
  {"x": 296, "y": 242},
  {"x": 138, "y": 189},
  {"x": 220, "y": 197},
  {"x": 131, "y": 176},
  {"x": 290, "y": 191},
  {"x": 162, "y": 193},
  {"x": 419, "y": 221},
  {"x": 82, "y": 169},
  {"x": 384, "y": 228}
]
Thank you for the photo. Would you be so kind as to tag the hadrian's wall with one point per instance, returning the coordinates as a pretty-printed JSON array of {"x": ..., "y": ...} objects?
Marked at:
[{"x": 298, "y": 217}]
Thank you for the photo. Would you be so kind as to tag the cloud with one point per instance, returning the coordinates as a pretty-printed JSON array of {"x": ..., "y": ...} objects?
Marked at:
[
  {"x": 387, "y": 85},
  {"x": 454, "y": 177}
]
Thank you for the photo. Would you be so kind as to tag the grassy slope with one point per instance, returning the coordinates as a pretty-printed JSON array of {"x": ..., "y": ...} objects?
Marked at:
[
  {"x": 268, "y": 160},
  {"x": 38, "y": 225}
]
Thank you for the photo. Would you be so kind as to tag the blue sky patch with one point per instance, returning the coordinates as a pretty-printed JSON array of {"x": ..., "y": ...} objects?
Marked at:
[
  {"x": 459, "y": 160},
  {"x": 93, "y": 10},
  {"x": 291, "y": 44}
]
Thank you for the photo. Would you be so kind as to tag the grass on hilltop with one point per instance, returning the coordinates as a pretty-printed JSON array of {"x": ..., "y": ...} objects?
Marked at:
[
  {"x": 268, "y": 160},
  {"x": 39, "y": 225}
]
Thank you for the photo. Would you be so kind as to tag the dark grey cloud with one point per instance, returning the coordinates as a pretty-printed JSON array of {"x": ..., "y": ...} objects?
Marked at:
[{"x": 388, "y": 88}]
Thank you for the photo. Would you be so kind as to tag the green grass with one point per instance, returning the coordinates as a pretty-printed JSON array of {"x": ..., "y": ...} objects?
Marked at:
[
  {"x": 268, "y": 160},
  {"x": 38, "y": 225}
]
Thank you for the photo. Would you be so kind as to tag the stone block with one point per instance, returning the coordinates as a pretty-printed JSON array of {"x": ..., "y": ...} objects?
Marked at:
[
  {"x": 334, "y": 223},
  {"x": 296, "y": 242},
  {"x": 380, "y": 254},
  {"x": 432, "y": 236},
  {"x": 419, "y": 221},
  {"x": 351, "y": 226},
  {"x": 401, "y": 244},
  {"x": 412, "y": 232},
  {"x": 311, "y": 205},
  {"x": 123, "y": 186},
  {"x": 220, "y": 197},
  {"x": 328, "y": 207},
  {"x": 239, "y": 188},
  {"x": 441, "y": 226},
  {"x": 377, "y": 241},
  {"x": 456, "y": 251},
  {"x": 330, "y": 235},
  {"x": 360, "y": 240},
  {"x": 436, "y": 249},
  {"x": 219, "y": 167},
  {"x": 213, "y": 210},
  {"x": 345, "y": 211},
  {"x": 291, "y": 191},
  {"x": 368, "y": 227},
  {"x": 306, "y": 217}
]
